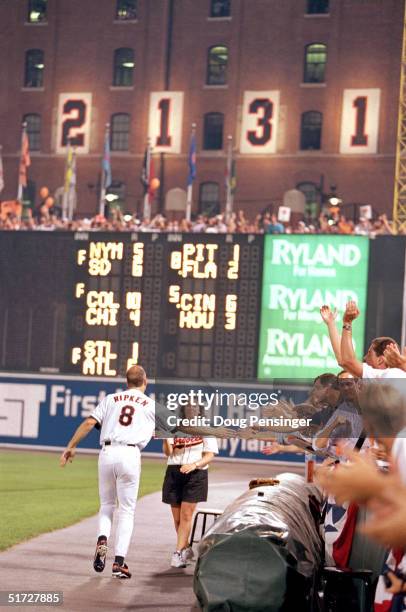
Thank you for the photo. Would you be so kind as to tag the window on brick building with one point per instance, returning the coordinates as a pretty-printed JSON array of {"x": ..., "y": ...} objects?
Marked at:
[
  {"x": 217, "y": 60},
  {"x": 123, "y": 69},
  {"x": 120, "y": 132},
  {"x": 33, "y": 122},
  {"x": 220, "y": 8},
  {"x": 126, "y": 10},
  {"x": 34, "y": 68},
  {"x": 213, "y": 131},
  {"x": 310, "y": 132},
  {"x": 317, "y": 7},
  {"x": 315, "y": 63},
  {"x": 37, "y": 11},
  {"x": 209, "y": 199}
]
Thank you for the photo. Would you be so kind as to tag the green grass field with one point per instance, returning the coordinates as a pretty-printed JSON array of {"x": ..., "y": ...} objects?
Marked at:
[{"x": 38, "y": 496}]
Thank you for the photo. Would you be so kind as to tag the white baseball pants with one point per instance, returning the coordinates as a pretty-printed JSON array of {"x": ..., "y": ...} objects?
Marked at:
[{"x": 119, "y": 477}]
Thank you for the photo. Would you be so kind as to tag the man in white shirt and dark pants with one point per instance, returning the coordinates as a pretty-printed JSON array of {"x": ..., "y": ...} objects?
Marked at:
[{"x": 128, "y": 420}]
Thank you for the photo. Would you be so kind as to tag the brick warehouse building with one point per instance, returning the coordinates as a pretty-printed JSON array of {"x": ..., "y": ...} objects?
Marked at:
[{"x": 306, "y": 53}]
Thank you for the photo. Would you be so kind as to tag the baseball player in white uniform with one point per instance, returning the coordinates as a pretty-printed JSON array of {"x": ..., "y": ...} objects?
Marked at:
[{"x": 128, "y": 420}]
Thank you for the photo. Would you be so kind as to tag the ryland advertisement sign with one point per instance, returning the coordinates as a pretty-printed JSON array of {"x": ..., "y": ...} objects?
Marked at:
[{"x": 301, "y": 273}]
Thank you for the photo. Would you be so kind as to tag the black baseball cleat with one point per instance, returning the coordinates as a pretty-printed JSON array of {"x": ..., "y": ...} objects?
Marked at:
[
  {"x": 100, "y": 556},
  {"x": 121, "y": 571}
]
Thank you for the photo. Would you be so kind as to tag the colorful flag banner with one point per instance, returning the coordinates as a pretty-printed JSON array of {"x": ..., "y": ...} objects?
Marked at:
[
  {"x": 191, "y": 172},
  {"x": 192, "y": 159},
  {"x": 25, "y": 162},
  {"x": 69, "y": 189},
  {"x": 107, "y": 178}
]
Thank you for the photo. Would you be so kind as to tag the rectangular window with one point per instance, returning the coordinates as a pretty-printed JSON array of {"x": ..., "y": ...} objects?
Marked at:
[
  {"x": 126, "y": 10},
  {"x": 37, "y": 11},
  {"x": 317, "y": 7},
  {"x": 34, "y": 68},
  {"x": 220, "y": 8}
]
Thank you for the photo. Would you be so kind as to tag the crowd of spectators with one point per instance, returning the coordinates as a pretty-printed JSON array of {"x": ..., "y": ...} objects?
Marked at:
[{"x": 47, "y": 216}]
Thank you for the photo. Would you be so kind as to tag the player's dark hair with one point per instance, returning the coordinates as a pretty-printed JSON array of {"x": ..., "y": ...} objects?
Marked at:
[
  {"x": 380, "y": 344},
  {"x": 136, "y": 376}
]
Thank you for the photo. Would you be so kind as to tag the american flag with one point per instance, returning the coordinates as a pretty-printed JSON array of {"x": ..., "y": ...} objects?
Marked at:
[
  {"x": 384, "y": 601},
  {"x": 339, "y": 529}
]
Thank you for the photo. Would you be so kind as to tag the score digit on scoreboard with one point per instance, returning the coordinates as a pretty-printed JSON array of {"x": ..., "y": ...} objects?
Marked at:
[{"x": 180, "y": 305}]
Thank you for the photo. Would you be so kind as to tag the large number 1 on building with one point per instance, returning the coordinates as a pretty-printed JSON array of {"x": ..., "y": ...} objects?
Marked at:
[
  {"x": 360, "y": 138},
  {"x": 164, "y": 139}
]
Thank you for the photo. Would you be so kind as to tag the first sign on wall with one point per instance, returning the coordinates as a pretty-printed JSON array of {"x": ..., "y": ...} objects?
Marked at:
[{"x": 74, "y": 116}]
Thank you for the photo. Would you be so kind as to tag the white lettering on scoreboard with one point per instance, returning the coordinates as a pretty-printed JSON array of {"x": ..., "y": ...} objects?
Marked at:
[
  {"x": 360, "y": 121},
  {"x": 165, "y": 121},
  {"x": 259, "y": 129},
  {"x": 74, "y": 117}
]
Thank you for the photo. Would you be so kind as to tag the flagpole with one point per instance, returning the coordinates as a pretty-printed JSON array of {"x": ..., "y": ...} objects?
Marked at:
[
  {"x": 147, "y": 203},
  {"x": 72, "y": 186},
  {"x": 65, "y": 200},
  {"x": 229, "y": 195},
  {"x": 189, "y": 196},
  {"x": 102, "y": 201},
  {"x": 20, "y": 188}
]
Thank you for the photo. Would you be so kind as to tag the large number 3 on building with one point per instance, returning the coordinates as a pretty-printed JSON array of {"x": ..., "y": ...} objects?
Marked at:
[
  {"x": 259, "y": 122},
  {"x": 74, "y": 115}
]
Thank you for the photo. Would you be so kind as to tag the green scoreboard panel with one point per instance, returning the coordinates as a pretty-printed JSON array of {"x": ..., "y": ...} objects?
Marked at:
[{"x": 301, "y": 273}]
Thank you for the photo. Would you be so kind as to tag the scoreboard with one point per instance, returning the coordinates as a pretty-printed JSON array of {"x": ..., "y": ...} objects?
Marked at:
[
  {"x": 185, "y": 306},
  {"x": 181, "y": 305}
]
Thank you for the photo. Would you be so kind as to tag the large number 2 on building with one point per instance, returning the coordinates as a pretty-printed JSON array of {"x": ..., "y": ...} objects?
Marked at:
[
  {"x": 126, "y": 415},
  {"x": 78, "y": 109},
  {"x": 264, "y": 122}
]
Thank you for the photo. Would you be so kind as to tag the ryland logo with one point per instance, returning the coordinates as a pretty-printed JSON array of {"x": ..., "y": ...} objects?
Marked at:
[{"x": 305, "y": 254}]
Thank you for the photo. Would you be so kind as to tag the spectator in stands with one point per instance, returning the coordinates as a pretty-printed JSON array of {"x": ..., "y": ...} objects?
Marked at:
[
  {"x": 324, "y": 227},
  {"x": 363, "y": 228},
  {"x": 382, "y": 227},
  {"x": 345, "y": 226},
  {"x": 43, "y": 194},
  {"x": 275, "y": 227},
  {"x": 49, "y": 208},
  {"x": 383, "y": 409},
  {"x": 237, "y": 223},
  {"x": 200, "y": 224}
]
